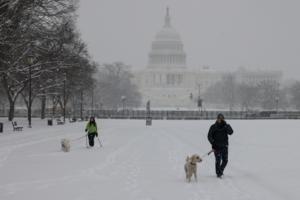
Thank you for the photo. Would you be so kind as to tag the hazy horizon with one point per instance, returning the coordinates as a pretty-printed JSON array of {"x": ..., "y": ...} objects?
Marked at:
[{"x": 222, "y": 34}]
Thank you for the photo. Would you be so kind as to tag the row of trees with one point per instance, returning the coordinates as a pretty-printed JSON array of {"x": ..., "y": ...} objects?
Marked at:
[
  {"x": 41, "y": 54},
  {"x": 292, "y": 94},
  {"x": 266, "y": 95},
  {"x": 42, "y": 59},
  {"x": 115, "y": 88}
]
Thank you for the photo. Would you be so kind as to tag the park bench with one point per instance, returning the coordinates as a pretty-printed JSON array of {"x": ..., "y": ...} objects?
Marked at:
[
  {"x": 59, "y": 122},
  {"x": 16, "y": 127},
  {"x": 72, "y": 120}
]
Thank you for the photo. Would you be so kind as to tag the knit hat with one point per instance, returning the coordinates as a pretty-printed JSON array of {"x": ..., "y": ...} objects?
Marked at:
[{"x": 220, "y": 116}]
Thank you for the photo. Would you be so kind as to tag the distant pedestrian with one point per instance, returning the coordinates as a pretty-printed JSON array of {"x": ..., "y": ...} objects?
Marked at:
[
  {"x": 92, "y": 132},
  {"x": 218, "y": 138}
]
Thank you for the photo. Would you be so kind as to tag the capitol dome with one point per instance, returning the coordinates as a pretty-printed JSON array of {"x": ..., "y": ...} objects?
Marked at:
[
  {"x": 167, "y": 34},
  {"x": 167, "y": 47}
]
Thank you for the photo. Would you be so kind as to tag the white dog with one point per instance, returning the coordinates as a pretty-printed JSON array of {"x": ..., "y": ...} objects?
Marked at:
[
  {"x": 190, "y": 166},
  {"x": 65, "y": 145}
]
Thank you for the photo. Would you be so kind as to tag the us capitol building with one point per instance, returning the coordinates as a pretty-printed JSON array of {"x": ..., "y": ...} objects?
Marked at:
[{"x": 168, "y": 83}]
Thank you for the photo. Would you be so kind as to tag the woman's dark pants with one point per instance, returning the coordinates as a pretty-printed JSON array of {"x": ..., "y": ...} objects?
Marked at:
[{"x": 91, "y": 137}]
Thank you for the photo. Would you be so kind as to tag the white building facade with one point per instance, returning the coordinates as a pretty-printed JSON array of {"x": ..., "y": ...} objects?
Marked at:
[{"x": 167, "y": 82}]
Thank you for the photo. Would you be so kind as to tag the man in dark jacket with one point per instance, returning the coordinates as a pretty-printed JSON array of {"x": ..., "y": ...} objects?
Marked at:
[{"x": 218, "y": 138}]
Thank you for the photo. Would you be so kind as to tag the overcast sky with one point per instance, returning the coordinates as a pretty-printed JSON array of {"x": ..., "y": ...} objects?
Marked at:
[{"x": 221, "y": 33}]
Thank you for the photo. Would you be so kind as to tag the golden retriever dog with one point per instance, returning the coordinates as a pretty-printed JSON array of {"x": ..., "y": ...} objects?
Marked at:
[
  {"x": 190, "y": 166},
  {"x": 65, "y": 145}
]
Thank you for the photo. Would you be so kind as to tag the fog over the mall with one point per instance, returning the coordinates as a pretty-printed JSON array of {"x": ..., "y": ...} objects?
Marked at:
[{"x": 221, "y": 34}]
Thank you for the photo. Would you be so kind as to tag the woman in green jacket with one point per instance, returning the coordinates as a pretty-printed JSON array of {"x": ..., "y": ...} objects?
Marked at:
[{"x": 91, "y": 129}]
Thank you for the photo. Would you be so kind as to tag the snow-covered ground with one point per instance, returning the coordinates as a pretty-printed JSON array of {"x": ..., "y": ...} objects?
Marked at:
[{"x": 146, "y": 163}]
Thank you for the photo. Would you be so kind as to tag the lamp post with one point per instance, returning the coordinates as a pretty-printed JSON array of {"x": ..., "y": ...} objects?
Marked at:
[
  {"x": 81, "y": 104},
  {"x": 123, "y": 99},
  {"x": 148, "y": 114},
  {"x": 92, "y": 114},
  {"x": 101, "y": 106},
  {"x": 277, "y": 101},
  {"x": 30, "y": 62},
  {"x": 64, "y": 96},
  {"x": 191, "y": 96},
  {"x": 199, "y": 90},
  {"x": 199, "y": 100},
  {"x": 53, "y": 95}
]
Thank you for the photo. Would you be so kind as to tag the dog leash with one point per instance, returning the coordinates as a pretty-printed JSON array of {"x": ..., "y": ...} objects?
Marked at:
[
  {"x": 208, "y": 153},
  {"x": 79, "y": 137}
]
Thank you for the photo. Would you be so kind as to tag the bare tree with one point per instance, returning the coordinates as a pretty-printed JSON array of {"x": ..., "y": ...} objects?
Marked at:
[
  {"x": 114, "y": 82},
  {"x": 247, "y": 96},
  {"x": 223, "y": 92},
  {"x": 294, "y": 93},
  {"x": 268, "y": 94},
  {"x": 40, "y": 50}
]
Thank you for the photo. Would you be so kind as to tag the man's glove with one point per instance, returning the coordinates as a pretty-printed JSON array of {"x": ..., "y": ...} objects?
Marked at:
[
  {"x": 214, "y": 147},
  {"x": 85, "y": 130},
  {"x": 96, "y": 134},
  {"x": 224, "y": 122}
]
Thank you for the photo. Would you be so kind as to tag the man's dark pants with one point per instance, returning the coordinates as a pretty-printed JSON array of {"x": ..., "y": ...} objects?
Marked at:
[{"x": 221, "y": 155}]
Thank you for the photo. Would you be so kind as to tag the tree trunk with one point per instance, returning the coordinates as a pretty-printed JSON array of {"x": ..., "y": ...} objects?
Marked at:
[
  {"x": 53, "y": 107},
  {"x": 11, "y": 96},
  {"x": 28, "y": 106},
  {"x": 11, "y": 113},
  {"x": 29, "y": 115},
  {"x": 81, "y": 105},
  {"x": 43, "y": 107}
]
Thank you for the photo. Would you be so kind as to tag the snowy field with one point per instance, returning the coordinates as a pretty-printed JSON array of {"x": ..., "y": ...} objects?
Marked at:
[{"x": 146, "y": 163}]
